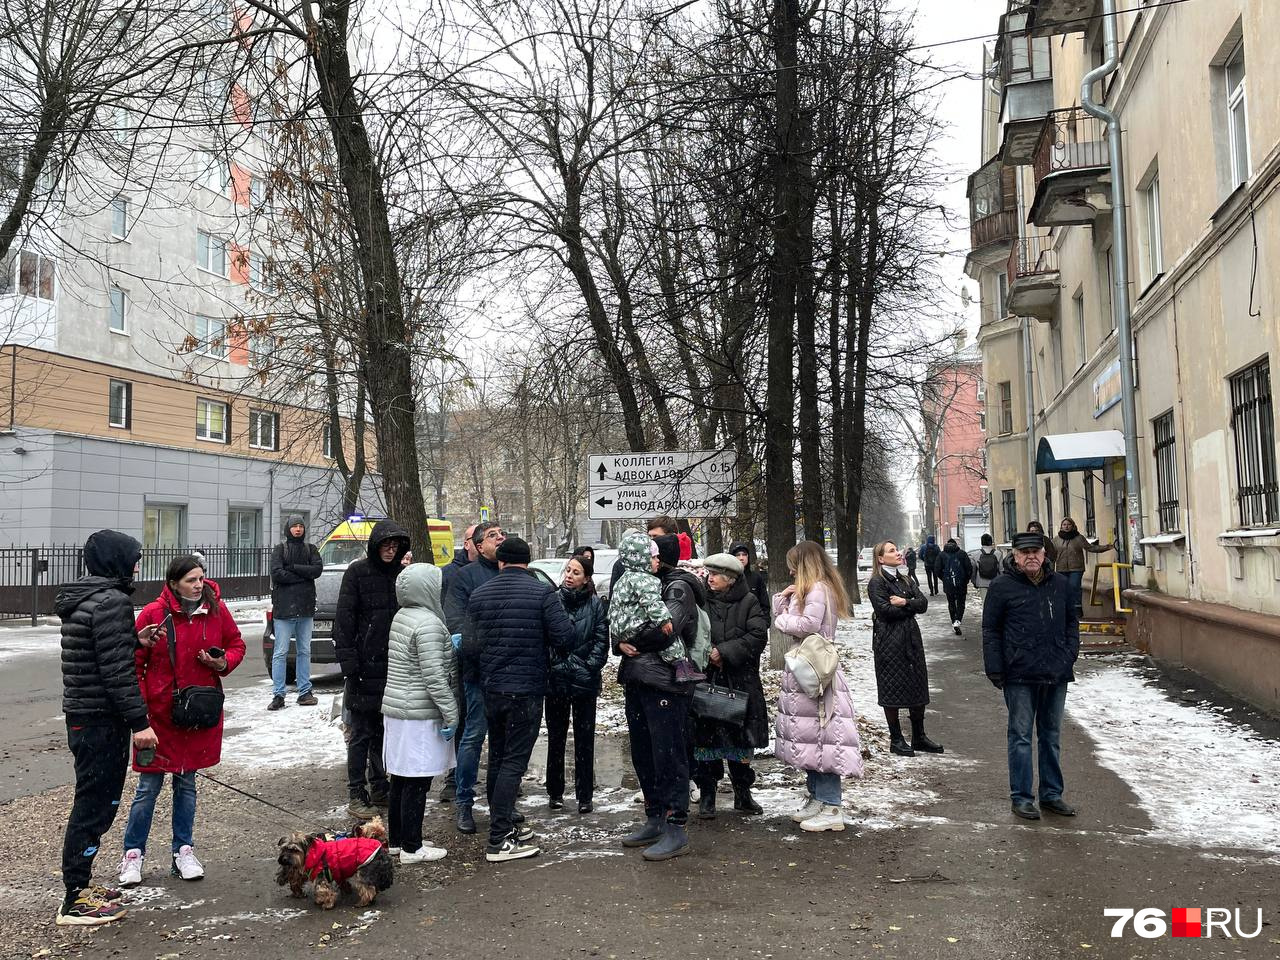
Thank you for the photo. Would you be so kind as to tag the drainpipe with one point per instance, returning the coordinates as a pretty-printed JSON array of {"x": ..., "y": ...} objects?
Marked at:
[
  {"x": 1120, "y": 246},
  {"x": 1030, "y": 391}
]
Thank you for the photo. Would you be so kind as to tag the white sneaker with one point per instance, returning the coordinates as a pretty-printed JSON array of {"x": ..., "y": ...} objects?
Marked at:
[
  {"x": 694, "y": 793},
  {"x": 424, "y": 854},
  {"x": 811, "y": 806},
  {"x": 509, "y": 849},
  {"x": 827, "y": 818},
  {"x": 186, "y": 866},
  {"x": 394, "y": 851},
  {"x": 639, "y": 797},
  {"x": 955, "y": 623},
  {"x": 130, "y": 869}
]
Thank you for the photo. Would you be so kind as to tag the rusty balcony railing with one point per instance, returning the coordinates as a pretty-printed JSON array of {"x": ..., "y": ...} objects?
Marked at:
[
  {"x": 1071, "y": 141},
  {"x": 1032, "y": 256}
]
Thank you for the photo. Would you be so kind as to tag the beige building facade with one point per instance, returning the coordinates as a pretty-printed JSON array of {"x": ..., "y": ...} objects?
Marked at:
[{"x": 1196, "y": 94}]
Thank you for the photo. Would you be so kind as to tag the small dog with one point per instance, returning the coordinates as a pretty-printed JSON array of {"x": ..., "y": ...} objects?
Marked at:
[{"x": 357, "y": 863}]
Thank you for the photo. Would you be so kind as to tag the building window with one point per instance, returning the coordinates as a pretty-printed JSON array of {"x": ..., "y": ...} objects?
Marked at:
[
  {"x": 1059, "y": 360},
  {"x": 1064, "y": 493},
  {"x": 1165, "y": 450},
  {"x": 261, "y": 346},
  {"x": 119, "y": 218},
  {"x": 35, "y": 275},
  {"x": 1237, "y": 117},
  {"x": 328, "y": 441},
  {"x": 1152, "y": 240},
  {"x": 211, "y": 253},
  {"x": 1082, "y": 342},
  {"x": 211, "y": 421},
  {"x": 257, "y": 191},
  {"x": 1048, "y": 505},
  {"x": 982, "y": 419},
  {"x": 1253, "y": 426},
  {"x": 264, "y": 430},
  {"x": 256, "y": 261},
  {"x": 211, "y": 336},
  {"x": 120, "y": 404},
  {"x": 244, "y": 537},
  {"x": 118, "y": 311},
  {"x": 216, "y": 173},
  {"x": 1009, "y": 511},
  {"x": 1002, "y": 295},
  {"x": 1006, "y": 407},
  {"x": 1090, "y": 517},
  {"x": 1110, "y": 299}
]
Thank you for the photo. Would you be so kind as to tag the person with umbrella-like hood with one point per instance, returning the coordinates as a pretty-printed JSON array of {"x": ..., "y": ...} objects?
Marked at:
[{"x": 361, "y": 630}]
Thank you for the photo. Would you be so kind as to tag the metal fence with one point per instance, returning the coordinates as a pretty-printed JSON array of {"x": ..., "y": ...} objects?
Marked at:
[{"x": 30, "y": 576}]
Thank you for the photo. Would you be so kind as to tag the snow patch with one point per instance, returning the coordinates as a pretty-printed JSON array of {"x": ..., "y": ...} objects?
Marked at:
[
  {"x": 293, "y": 737},
  {"x": 1206, "y": 781},
  {"x": 17, "y": 642}
]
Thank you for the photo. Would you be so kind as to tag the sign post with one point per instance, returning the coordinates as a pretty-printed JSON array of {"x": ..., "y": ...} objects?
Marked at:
[{"x": 682, "y": 483}]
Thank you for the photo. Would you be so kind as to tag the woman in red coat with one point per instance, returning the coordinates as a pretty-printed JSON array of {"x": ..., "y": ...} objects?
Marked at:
[{"x": 201, "y": 624}]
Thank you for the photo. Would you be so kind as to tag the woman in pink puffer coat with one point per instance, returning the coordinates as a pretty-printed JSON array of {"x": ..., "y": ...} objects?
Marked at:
[{"x": 828, "y": 751}]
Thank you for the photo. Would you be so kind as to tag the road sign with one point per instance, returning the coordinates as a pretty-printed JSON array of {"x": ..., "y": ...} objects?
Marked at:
[
  {"x": 682, "y": 483},
  {"x": 484, "y": 514}
]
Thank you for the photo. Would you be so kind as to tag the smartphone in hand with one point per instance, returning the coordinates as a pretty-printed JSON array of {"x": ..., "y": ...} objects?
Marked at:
[{"x": 215, "y": 653}]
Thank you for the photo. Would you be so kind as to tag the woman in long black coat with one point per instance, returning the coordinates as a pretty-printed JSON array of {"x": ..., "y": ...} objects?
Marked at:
[
  {"x": 739, "y": 634},
  {"x": 902, "y": 677}
]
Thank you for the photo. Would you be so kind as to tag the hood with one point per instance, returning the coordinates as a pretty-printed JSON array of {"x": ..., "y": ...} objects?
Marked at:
[
  {"x": 931, "y": 540},
  {"x": 385, "y": 530},
  {"x": 634, "y": 551},
  {"x": 419, "y": 586},
  {"x": 289, "y": 522},
  {"x": 71, "y": 595},
  {"x": 750, "y": 549},
  {"x": 951, "y": 547},
  {"x": 695, "y": 582},
  {"x": 111, "y": 554}
]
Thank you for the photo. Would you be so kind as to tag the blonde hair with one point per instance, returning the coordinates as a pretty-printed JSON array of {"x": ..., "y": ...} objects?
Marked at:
[
  {"x": 812, "y": 565},
  {"x": 877, "y": 568}
]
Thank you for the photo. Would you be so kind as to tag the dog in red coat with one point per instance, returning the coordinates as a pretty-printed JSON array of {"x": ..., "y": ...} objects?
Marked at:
[{"x": 358, "y": 864}]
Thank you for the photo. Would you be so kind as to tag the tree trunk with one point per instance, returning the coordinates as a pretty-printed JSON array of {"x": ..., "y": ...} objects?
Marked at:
[
  {"x": 806, "y": 343},
  {"x": 386, "y": 369}
]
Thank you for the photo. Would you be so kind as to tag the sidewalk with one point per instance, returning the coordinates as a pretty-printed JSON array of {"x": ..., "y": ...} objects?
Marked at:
[{"x": 933, "y": 864}]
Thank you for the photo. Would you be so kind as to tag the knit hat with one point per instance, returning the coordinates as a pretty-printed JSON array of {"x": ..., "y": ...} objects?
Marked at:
[
  {"x": 514, "y": 550},
  {"x": 668, "y": 549},
  {"x": 724, "y": 563},
  {"x": 1028, "y": 541}
]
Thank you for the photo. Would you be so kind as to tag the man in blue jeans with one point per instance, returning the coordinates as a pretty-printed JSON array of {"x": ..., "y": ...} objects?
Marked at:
[
  {"x": 295, "y": 568},
  {"x": 1030, "y": 642},
  {"x": 487, "y": 538}
]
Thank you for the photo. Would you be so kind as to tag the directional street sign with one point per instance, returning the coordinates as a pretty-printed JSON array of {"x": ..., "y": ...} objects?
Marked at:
[{"x": 682, "y": 483}]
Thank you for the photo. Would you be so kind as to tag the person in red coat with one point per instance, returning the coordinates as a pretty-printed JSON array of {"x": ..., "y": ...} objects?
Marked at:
[{"x": 201, "y": 624}]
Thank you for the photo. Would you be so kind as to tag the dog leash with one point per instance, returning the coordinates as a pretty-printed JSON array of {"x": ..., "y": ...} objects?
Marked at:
[{"x": 243, "y": 793}]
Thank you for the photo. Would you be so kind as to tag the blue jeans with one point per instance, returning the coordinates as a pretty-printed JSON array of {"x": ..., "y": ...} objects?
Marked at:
[
  {"x": 144, "y": 806},
  {"x": 469, "y": 746},
  {"x": 286, "y": 630},
  {"x": 824, "y": 787},
  {"x": 1041, "y": 705},
  {"x": 1076, "y": 579}
]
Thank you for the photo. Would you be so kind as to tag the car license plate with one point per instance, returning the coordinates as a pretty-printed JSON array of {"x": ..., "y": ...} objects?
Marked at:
[{"x": 325, "y": 626}]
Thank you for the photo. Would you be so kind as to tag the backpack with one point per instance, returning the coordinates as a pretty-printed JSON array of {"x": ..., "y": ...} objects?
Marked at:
[{"x": 988, "y": 565}]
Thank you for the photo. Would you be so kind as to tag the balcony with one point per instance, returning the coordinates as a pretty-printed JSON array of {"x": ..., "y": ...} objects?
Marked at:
[
  {"x": 993, "y": 213},
  {"x": 1050, "y": 18},
  {"x": 1026, "y": 78},
  {"x": 1034, "y": 288},
  {"x": 1072, "y": 170}
]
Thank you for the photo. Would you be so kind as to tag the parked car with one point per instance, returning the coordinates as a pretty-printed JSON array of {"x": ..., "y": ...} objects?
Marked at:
[
  {"x": 350, "y": 540},
  {"x": 865, "y": 556},
  {"x": 553, "y": 568}
]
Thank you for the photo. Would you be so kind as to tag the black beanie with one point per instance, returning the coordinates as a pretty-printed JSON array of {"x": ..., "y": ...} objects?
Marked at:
[
  {"x": 109, "y": 553},
  {"x": 514, "y": 550},
  {"x": 668, "y": 549}
]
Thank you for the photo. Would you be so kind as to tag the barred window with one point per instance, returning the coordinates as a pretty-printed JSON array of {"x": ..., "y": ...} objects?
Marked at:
[
  {"x": 1253, "y": 426},
  {"x": 1090, "y": 517},
  {"x": 1166, "y": 472}
]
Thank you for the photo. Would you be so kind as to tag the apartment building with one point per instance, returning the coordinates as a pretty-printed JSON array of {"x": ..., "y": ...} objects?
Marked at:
[
  {"x": 1196, "y": 94},
  {"x": 955, "y": 414},
  {"x": 137, "y": 346}
]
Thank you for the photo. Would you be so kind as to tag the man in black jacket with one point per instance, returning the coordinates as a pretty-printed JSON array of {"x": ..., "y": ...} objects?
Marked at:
[
  {"x": 1030, "y": 642},
  {"x": 462, "y": 557},
  {"x": 487, "y": 538},
  {"x": 361, "y": 631},
  {"x": 746, "y": 554},
  {"x": 515, "y": 622},
  {"x": 104, "y": 710},
  {"x": 955, "y": 570},
  {"x": 295, "y": 568}
]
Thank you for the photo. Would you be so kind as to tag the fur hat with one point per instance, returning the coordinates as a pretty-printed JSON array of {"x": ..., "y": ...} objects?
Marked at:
[
  {"x": 514, "y": 550},
  {"x": 725, "y": 563}
]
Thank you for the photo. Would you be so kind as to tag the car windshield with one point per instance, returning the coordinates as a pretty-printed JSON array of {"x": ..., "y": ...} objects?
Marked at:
[
  {"x": 552, "y": 567},
  {"x": 343, "y": 551}
]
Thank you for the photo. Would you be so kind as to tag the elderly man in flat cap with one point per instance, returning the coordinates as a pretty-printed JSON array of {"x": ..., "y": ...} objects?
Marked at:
[{"x": 1030, "y": 641}]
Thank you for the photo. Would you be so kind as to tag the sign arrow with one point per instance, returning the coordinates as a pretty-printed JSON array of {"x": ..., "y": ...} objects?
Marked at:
[
  {"x": 602, "y": 502},
  {"x": 601, "y": 470},
  {"x": 723, "y": 498}
]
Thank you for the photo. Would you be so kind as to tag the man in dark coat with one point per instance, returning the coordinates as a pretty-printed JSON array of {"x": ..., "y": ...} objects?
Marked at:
[
  {"x": 1030, "y": 642},
  {"x": 516, "y": 623},
  {"x": 295, "y": 568},
  {"x": 739, "y": 635},
  {"x": 929, "y": 554},
  {"x": 911, "y": 558},
  {"x": 361, "y": 631},
  {"x": 756, "y": 585},
  {"x": 955, "y": 571},
  {"x": 486, "y": 537},
  {"x": 464, "y": 555},
  {"x": 104, "y": 711}
]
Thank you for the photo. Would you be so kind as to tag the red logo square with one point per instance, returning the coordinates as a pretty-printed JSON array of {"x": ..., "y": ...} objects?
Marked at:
[{"x": 1186, "y": 921}]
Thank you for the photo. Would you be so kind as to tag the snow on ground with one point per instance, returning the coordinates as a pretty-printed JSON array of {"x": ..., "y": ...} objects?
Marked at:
[
  {"x": 293, "y": 737},
  {"x": 1205, "y": 780},
  {"x": 27, "y": 641}
]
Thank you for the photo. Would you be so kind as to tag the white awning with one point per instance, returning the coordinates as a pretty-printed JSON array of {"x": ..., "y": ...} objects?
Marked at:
[{"x": 1066, "y": 452}]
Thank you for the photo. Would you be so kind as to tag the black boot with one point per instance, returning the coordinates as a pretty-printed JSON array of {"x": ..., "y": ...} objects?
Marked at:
[
  {"x": 743, "y": 801},
  {"x": 650, "y": 832},
  {"x": 465, "y": 821},
  {"x": 919, "y": 739},
  {"x": 897, "y": 742},
  {"x": 707, "y": 803}
]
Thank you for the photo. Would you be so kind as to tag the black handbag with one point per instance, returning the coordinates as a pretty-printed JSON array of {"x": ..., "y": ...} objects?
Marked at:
[
  {"x": 194, "y": 708},
  {"x": 722, "y": 704}
]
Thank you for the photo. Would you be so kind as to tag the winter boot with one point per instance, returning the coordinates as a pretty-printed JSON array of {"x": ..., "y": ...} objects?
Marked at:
[
  {"x": 465, "y": 821},
  {"x": 919, "y": 739},
  {"x": 707, "y": 805},
  {"x": 743, "y": 801},
  {"x": 674, "y": 843},
  {"x": 897, "y": 742},
  {"x": 649, "y": 832}
]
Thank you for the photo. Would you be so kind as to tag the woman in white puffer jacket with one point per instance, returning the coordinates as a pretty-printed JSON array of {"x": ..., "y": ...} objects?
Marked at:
[{"x": 419, "y": 708}]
